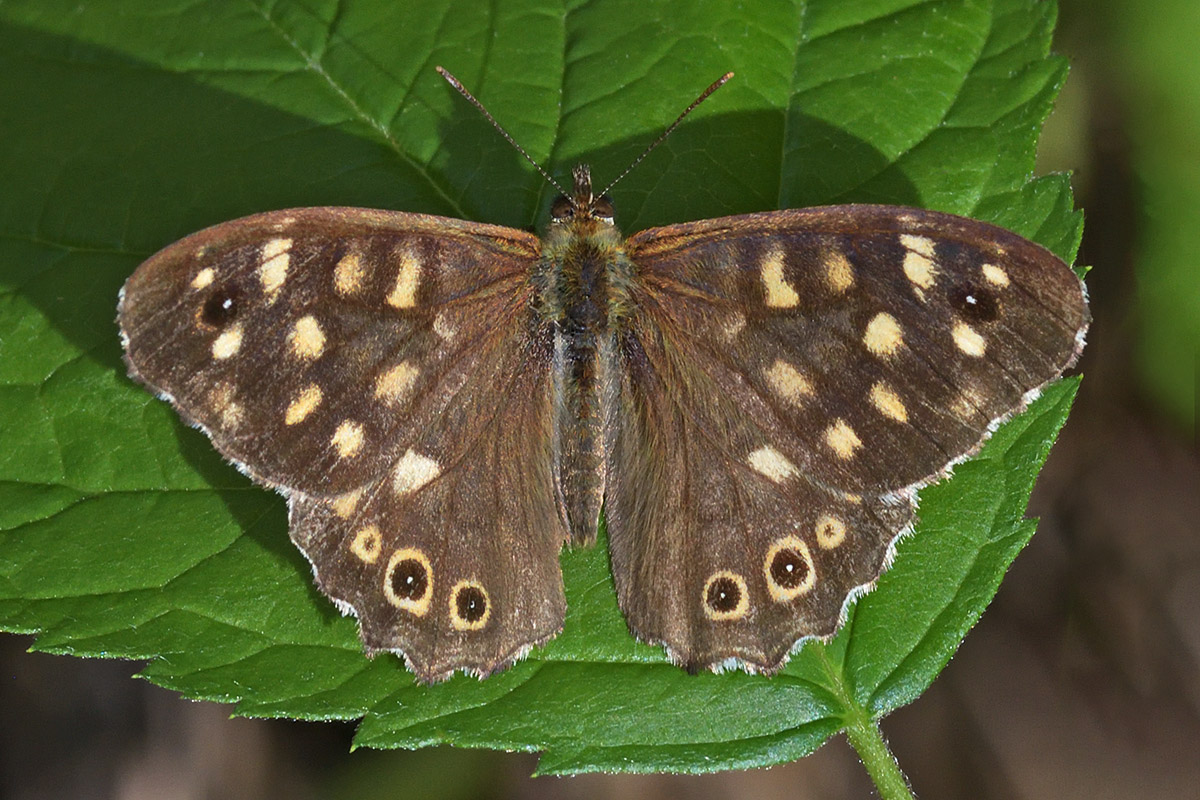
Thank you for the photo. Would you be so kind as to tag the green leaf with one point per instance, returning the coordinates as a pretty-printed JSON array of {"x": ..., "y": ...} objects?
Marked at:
[{"x": 125, "y": 535}]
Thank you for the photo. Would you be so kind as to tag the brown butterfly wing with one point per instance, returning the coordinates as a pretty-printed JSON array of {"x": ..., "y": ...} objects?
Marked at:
[
  {"x": 792, "y": 377},
  {"x": 711, "y": 557},
  {"x": 384, "y": 372},
  {"x": 460, "y": 572}
]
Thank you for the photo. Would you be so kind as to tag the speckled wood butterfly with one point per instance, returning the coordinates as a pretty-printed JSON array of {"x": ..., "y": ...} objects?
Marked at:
[{"x": 753, "y": 400}]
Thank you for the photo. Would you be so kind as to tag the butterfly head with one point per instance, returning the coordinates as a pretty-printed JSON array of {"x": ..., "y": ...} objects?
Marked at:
[{"x": 582, "y": 204}]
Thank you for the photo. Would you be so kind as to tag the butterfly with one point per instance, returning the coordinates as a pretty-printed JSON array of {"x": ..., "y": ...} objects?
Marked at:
[{"x": 753, "y": 402}]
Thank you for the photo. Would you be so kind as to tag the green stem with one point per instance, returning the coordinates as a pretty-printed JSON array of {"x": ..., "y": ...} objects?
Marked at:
[{"x": 867, "y": 740}]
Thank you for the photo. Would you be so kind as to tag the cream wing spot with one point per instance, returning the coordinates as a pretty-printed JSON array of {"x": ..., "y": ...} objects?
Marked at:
[
  {"x": 780, "y": 293},
  {"x": 228, "y": 343},
  {"x": 408, "y": 277},
  {"x": 442, "y": 327},
  {"x": 918, "y": 244},
  {"x": 232, "y": 415},
  {"x": 883, "y": 336},
  {"x": 968, "y": 403},
  {"x": 995, "y": 275},
  {"x": 308, "y": 340},
  {"x": 788, "y": 568},
  {"x": 275, "y": 247},
  {"x": 919, "y": 266},
  {"x": 888, "y": 403},
  {"x": 842, "y": 439},
  {"x": 968, "y": 340},
  {"x": 273, "y": 268},
  {"x": 348, "y": 439},
  {"x": 408, "y": 581},
  {"x": 303, "y": 404},
  {"x": 344, "y": 505},
  {"x": 367, "y": 544},
  {"x": 348, "y": 274},
  {"x": 470, "y": 606},
  {"x": 830, "y": 531},
  {"x": 395, "y": 384},
  {"x": 788, "y": 382},
  {"x": 725, "y": 596},
  {"x": 414, "y": 471},
  {"x": 921, "y": 273},
  {"x": 838, "y": 272},
  {"x": 228, "y": 410},
  {"x": 771, "y": 463},
  {"x": 204, "y": 278}
]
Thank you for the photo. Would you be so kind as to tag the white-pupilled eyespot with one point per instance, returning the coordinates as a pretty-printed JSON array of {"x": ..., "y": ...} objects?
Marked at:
[
  {"x": 725, "y": 596},
  {"x": 408, "y": 580},
  {"x": 788, "y": 569}
]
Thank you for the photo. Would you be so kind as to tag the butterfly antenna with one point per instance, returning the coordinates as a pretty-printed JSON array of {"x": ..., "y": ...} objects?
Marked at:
[
  {"x": 453, "y": 81},
  {"x": 717, "y": 84}
]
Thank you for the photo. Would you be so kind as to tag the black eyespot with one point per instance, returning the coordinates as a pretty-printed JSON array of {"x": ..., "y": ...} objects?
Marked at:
[
  {"x": 562, "y": 208},
  {"x": 788, "y": 568},
  {"x": 221, "y": 308},
  {"x": 975, "y": 303},
  {"x": 410, "y": 580},
  {"x": 602, "y": 206},
  {"x": 471, "y": 603},
  {"x": 723, "y": 595}
]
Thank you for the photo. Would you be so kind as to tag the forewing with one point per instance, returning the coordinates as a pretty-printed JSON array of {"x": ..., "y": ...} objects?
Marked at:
[
  {"x": 792, "y": 378},
  {"x": 875, "y": 345},
  {"x": 311, "y": 344}
]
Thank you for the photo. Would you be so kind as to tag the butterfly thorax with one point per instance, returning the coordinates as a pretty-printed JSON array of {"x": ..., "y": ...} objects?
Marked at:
[{"x": 582, "y": 293}]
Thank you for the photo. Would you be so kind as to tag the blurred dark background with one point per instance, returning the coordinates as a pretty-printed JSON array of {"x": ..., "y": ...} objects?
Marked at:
[{"x": 1082, "y": 680}]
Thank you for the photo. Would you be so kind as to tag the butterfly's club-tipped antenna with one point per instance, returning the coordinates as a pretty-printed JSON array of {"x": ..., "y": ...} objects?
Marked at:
[
  {"x": 453, "y": 81},
  {"x": 717, "y": 84}
]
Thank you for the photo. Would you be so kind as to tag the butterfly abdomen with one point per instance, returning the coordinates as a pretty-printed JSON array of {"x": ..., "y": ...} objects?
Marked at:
[{"x": 575, "y": 286}]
